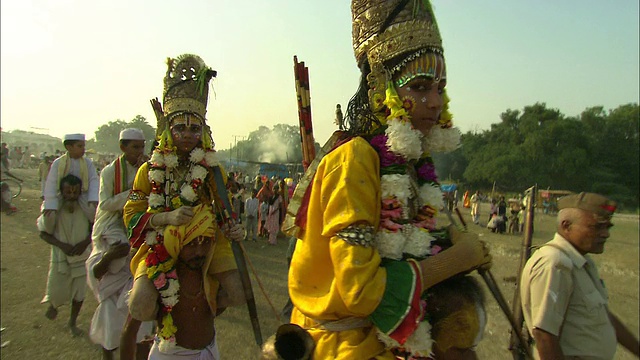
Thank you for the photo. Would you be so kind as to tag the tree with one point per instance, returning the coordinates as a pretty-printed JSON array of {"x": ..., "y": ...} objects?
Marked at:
[
  {"x": 616, "y": 151},
  {"x": 107, "y": 135}
]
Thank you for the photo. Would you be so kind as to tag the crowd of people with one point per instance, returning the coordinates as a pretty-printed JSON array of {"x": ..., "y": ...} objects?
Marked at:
[
  {"x": 504, "y": 216},
  {"x": 372, "y": 275}
]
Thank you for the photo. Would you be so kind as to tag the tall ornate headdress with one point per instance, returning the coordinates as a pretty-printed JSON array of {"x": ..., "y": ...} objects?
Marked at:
[
  {"x": 384, "y": 29},
  {"x": 186, "y": 89},
  {"x": 387, "y": 35}
]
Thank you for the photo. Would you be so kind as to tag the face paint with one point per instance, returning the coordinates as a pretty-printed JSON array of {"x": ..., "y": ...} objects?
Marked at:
[{"x": 186, "y": 132}]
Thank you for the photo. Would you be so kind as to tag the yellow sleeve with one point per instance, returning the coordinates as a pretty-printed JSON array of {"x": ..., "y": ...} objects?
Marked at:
[
  {"x": 330, "y": 278},
  {"x": 135, "y": 210},
  {"x": 138, "y": 198}
]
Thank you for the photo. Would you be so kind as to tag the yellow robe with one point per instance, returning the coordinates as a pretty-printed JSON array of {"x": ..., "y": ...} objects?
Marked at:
[
  {"x": 220, "y": 257},
  {"x": 330, "y": 279}
]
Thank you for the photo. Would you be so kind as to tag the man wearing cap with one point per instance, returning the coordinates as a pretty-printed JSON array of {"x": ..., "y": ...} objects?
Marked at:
[
  {"x": 75, "y": 163},
  {"x": 564, "y": 301},
  {"x": 108, "y": 272}
]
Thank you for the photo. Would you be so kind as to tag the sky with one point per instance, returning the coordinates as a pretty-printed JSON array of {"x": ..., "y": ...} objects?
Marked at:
[{"x": 70, "y": 66}]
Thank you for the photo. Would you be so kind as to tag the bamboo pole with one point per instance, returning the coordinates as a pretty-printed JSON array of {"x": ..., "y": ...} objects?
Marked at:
[{"x": 303, "y": 95}]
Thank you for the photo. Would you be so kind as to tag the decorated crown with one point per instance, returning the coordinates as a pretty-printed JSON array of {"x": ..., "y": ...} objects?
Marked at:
[
  {"x": 186, "y": 87},
  {"x": 385, "y": 29}
]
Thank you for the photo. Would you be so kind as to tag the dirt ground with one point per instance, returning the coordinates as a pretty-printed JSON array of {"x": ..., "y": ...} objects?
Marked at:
[{"x": 27, "y": 334}]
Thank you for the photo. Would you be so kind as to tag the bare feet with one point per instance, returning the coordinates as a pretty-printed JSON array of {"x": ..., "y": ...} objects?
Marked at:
[{"x": 51, "y": 313}]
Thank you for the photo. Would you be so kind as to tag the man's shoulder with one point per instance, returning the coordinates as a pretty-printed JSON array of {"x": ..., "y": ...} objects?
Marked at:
[
  {"x": 549, "y": 254},
  {"x": 354, "y": 148},
  {"x": 108, "y": 169}
]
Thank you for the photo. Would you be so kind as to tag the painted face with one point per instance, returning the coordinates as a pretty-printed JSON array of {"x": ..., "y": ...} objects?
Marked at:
[
  {"x": 76, "y": 150},
  {"x": 422, "y": 94},
  {"x": 588, "y": 235},
  {"x": 133, "y": 150},
  {"x": 70, "y": 192},
  {"x": 194, "y": 254},
  {"x": 186, "y": 132}
]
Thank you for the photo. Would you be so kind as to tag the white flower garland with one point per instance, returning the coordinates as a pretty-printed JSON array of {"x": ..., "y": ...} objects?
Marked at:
[
  {"x": 398, "y": 186},
  {"x": 404, "y": 140},
  {"x": 162, "y": 164},
  {"x": 151, "y": 238},
  {"x": 441, "y": 140},
  {"x": 432, "y": 195},
  {"x": 420, "y": 345},
  {"x": 390, "y": 244},
  {"x": 418, "y": 242}
]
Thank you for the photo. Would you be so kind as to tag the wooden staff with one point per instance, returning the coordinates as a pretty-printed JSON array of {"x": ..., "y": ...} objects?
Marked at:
[
  {"x": 303, "y": 96},
  {"x": 518, "y": 348},
  {"x": 239, "y": 256}
]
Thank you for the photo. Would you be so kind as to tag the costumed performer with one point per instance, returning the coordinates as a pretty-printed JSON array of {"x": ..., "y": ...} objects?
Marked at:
[
  {"x": 368, "y": 250},
  {"x": 184, "y": 269}
]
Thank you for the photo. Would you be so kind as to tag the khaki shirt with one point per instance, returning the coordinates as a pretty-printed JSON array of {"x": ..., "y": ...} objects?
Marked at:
[{"x": 563, "y": 294}]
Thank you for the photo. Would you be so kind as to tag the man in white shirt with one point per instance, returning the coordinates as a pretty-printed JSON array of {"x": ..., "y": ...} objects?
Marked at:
[
  {"x": 108, "y": 272},
  {"x": 251, "y": 210}
]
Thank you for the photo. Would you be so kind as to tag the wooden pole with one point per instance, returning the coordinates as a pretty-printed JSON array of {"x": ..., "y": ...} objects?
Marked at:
[{"x": 517, "y": 348}]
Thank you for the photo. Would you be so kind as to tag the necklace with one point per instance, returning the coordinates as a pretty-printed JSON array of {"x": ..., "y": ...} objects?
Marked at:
[{"x": 175, "y": 183}]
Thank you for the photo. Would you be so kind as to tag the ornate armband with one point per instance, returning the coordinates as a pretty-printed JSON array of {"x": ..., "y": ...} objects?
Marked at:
[
  {"x": 362, "y": 235},
  {"x": 137, "y": 195}
]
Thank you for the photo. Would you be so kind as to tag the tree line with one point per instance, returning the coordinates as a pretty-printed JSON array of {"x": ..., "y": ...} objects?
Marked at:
[{"x": 596, "y": 151}]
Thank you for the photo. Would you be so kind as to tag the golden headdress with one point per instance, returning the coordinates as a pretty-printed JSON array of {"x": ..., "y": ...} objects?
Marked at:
[
  {"x": 186, "y": 89},
  {"x": 384, "y": 29},
  {"x": 393, "y": 38}
]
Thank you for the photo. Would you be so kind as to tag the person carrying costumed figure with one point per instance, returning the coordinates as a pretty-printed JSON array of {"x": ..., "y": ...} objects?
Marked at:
[
  {"x": 184, "y": 270},
  {"x": 108, "y": 273},
  {"x": 73, "y": 162},
  {"x": 372, "y": 275}
]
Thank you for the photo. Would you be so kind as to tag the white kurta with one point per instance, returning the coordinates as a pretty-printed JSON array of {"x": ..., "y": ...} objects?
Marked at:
[
  {"x": 112, "y": 289},
  {"x": 51, "y": 191},
  {"x": 67, "y": 274}
]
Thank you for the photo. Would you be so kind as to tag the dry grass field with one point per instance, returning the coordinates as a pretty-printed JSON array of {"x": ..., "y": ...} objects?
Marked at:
[{"x": 27, "y": 334}]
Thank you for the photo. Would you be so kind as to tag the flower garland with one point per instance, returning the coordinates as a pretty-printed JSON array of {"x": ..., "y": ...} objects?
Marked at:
[
  {"x": 161, "y": 267},
  {"x": 411, "y": 197},
  {"x": 160, "y": 176}
]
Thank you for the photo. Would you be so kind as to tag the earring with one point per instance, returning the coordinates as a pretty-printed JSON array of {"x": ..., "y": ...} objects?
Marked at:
[
  {"x": 424, "y": 99},
  {"x": 408, "y": 102}
]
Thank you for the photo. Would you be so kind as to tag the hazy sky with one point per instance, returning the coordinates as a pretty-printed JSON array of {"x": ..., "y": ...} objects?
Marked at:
[{"x": 72, "y": 65}]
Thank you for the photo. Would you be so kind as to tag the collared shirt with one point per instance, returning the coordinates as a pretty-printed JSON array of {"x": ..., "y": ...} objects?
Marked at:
[
  {"x": 251, "y": 206},
  {"x": 562, "y": 294}
]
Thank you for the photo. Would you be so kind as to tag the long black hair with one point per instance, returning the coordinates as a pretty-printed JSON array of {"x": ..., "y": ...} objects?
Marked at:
[{"x": 360, "y": 118}]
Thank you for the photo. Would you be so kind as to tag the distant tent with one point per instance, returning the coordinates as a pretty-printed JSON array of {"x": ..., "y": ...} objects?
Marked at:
[{"x": 448, "y": 187}]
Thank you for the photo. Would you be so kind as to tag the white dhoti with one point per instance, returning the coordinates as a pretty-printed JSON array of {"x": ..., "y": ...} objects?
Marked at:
[
  {"x": 111, "y": 291},
  {"x": 66, "y": 283},
  {"x": 67, "y": 280},
  {"x": 208, "y": 353}
]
